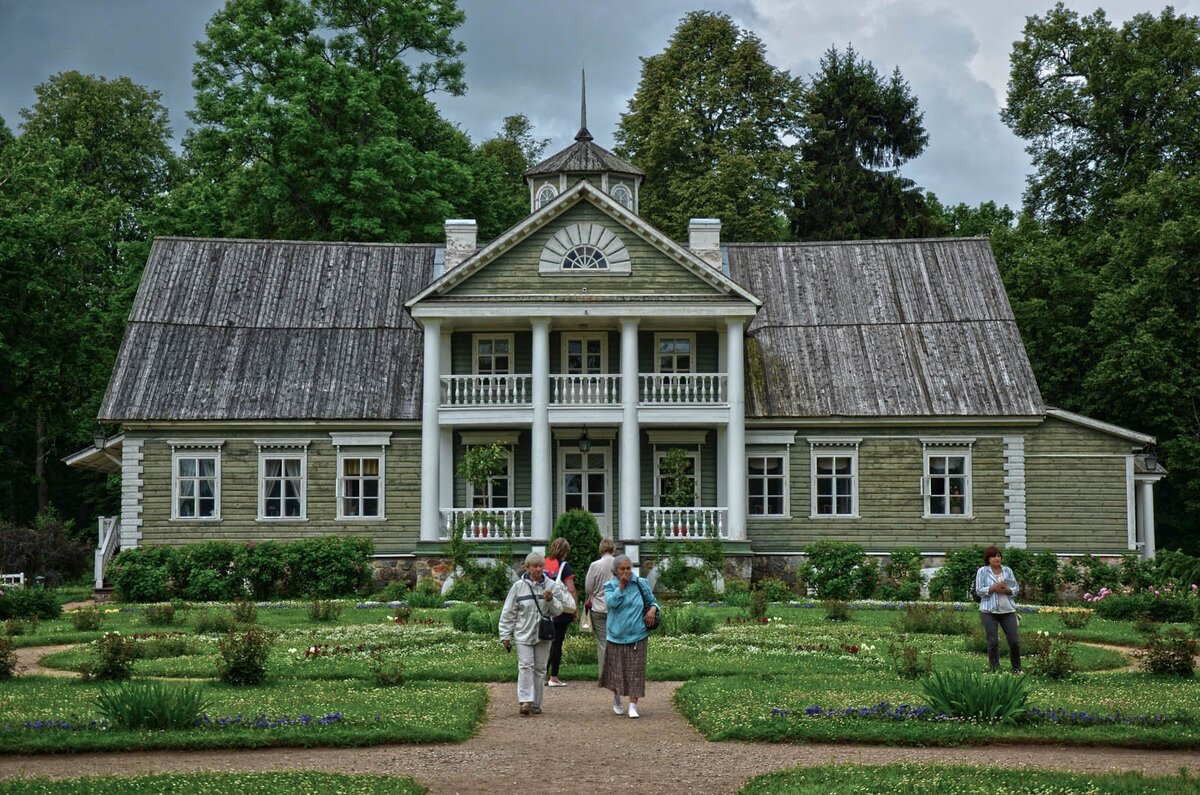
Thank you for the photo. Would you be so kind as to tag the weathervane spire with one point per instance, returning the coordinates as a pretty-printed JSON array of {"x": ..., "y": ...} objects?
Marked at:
[{"x": 583, "y": 134}]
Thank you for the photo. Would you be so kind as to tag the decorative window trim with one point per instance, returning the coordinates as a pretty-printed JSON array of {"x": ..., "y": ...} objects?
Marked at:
[
  {"x": 770, "y": 437},
  {"x": 658, "y": 457},
  {"x": 660, "y": 336},
  {"x": 627, "y": 202},
  {"x": 960, "y": 448},
  {"x": 580, "y": 234},
  {"x": 835, "y": 441},
  {"x": 784, "y": 454},
  {"x": 509, "y": 475},
  {"x": 379, "y": 455},
  {"x": 567, "y": 337},
  {"x": 512, "y": 352},
  {"x": 195, "y": 444},
  {"x": 361, "y": 439},
  {"x": 282, "y": 444},
  {"x": 197, "y": 450},
  {"x": 569, "y": 436},
  {"x": 545, "y": 194},
  {"x": 826, "y": 448},
  {"x": 286, "y": 452}
]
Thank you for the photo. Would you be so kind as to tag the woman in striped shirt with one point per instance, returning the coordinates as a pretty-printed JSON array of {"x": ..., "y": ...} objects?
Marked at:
[{"x": 996, "y": 587}]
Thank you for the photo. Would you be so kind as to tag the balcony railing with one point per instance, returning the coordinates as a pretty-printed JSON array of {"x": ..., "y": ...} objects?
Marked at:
[
  {"x": 659, "y": 389},
  {"x": 684, "y": 524},
  {"x": 585, "y": 390},
  {"x": 488, "y": 525},
  {"x": 487, "y": 390}
]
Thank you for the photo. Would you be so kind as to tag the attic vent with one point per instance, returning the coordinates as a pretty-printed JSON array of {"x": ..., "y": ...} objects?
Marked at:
[{"x": 584, "y": 247}]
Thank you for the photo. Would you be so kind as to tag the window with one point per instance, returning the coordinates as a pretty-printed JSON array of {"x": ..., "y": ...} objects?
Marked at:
[
  {"x": 835, "y": 491},
  {"x": 584, "y": 354},
  {"x": 545, "y": 195},
  {"x": 622, "y": 196},
  {"x": 946, "y": 485},
  {"x": 281, "y": 488},
  {"x": 584, "y": 257},
  {"x": 360, "y": 486},
  {"x": 662, "y": 487},
  {"x": 584, "y": 481},
  {"x": 197, "y": 485},
  {"x": 766, "y": 485},
  {"x": 674, "y": 353},
  {"x": 493, "y": 354},
  {"x": 498, "y": 493}
]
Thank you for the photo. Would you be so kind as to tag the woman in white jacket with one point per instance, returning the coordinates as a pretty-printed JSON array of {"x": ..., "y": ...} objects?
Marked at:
[{"x": 532, "y": 596}]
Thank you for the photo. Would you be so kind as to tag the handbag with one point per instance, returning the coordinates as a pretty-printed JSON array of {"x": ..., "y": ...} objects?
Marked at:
[
  {"x": 585, "y": 623},
  {"x": 651, "y": 623},
  {"x": 545, "y": 623}
]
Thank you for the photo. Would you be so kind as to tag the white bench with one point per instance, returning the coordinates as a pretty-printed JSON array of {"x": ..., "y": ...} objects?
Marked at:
[{"x": 13, "y": 580}]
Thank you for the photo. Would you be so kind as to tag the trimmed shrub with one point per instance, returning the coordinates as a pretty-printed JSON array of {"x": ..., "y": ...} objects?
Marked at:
[
  {"x": 260, "y": 567},
  {"x": 329, "y": 566},
  {"x": 115, "y": 656},
  {"x": 152, "y": 705},
  {"x": 837, "y": 569},
  {"x": 159, "y": 615},
  {"x": 215, "y": 622},
  {"x": 1172, "y": 653},
  {"x": 29, "y": 603},
  {"x": 244, "y": 656},
  {"x": 836, "y": 610},
  {"x": 204, "y": 572},
  {"x": 1169, "y": 608},
  {"x": 970, "y": 694},
  {"x": 582, "y": 532},
  {"x": 953, "y": 580},
  {"x": 428, "y": 594},
  {"x": 324, "y": 610},
  {"x": 141, "y": 574},
  {"x": 8, "y": 659},
  {"x": 86, "y": 619}
]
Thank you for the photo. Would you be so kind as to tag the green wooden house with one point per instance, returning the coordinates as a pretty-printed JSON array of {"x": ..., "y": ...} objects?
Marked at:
[{"x": 876, "y": 392}]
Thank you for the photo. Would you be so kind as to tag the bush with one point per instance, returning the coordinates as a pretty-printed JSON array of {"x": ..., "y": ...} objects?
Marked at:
[
  {"x": 159, "y": 615},
  {"x": 428, "y": 593},
  {"x": 325, "y": 567},
  {"x": 402, "y": 614},
  {"x": 1075, "y": 618},
  {"x": 395, "y": 591},
  {"x": 1172, "y": 653},
  {"x": 152, "y": 705},
  {"x": 163, "y": 646},
  {"x": 86, "y": 619},
  {"x": 688, "y": 620},
  {"x": 906, "y": 591},
  {"x": 245, "y": 612},
  {"x": 141, "y": 574},
  {"x": 907, "y": 661},
  {"x": 324, "y": 610},
  {"x": 386, "y": 672},
  {"x": 1171, "y": 608},
  {"x": 774, "y": 590},
  {"x": 904, "y": 565},
  {"x": 20, "y": 626},
  {"x": 758, "y": 603},
  {"x": 215, "y": 621},
  {"x": 986, "y": 697},
  {"x": 836, "y": 610},
  {"x": 1094, "y": 574},
  {"x": 699, "y": 590},
  {"x": 204, "y": 572},
  {"x": 837, "y": 569},
  {"x": 976, "y": 640},
  {"x": 45, "y": 549},
  {"x": 582, "y": 532},
  {"x": 460, "y": 616},
  {"x": 8, "y": 659},
  {"x": 952, "y": 582},
  {"x": 484, "y": 622},
  {"x": 927, "y": 619},
  {"x": 244, "y": 656},
  {"x": 115, "y": 656},
  {"x": 29, "y": 603},
  {"x": 737, "y": 592},
  {"x": 260, "y": 567},
  {"x": 1049, "y": 655}
]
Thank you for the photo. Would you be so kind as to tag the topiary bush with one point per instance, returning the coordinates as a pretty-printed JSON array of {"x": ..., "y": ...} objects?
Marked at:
[{"x": 582, "y": 532}]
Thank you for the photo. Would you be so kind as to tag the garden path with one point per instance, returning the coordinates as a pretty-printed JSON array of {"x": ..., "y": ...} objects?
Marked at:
[{"x": 597, "y": 751}]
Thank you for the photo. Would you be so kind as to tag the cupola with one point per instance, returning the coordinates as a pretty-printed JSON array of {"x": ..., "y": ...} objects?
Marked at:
[{"x": 584, "y": 159}]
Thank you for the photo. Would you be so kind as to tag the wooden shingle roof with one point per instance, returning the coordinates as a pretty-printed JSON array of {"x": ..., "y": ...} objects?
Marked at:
[
  {"x": 582, "y": 157},
  {"x": 252, "y": 329},
  {"x": 892, "y": 328}
]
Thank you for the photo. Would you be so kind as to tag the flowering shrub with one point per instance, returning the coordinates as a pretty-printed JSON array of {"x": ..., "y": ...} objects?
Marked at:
[
  {"x": 214, "y": 621},
  {"x": 8, "y": 659},
  {"x": 1171, "y": 653},
  {"x": 1050, "y": 656},
  {"x": 86, "y": 619},
  {"x": 115, "y": 656},
  {"x": 245, "y": 611},
  {"x": 907, "y": 661},
  {"x": 324, "y": 610},
  {"x": 244, "y": 656},
  {"x": 1161, "y": 603},
  {"x": 20, "y": 626},
  {"x": 159, "y": 615},
  {"x": 840, "y": 570},
  {"x": 758, "y": 603}
]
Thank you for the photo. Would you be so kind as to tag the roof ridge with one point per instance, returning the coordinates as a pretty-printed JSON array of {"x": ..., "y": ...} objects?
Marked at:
[
  {"x": 815, "y": 243},
  {"x": 272, "y": 241}
]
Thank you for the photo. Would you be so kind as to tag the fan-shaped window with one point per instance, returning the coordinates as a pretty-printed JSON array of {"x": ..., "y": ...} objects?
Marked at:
[
  {"x": 545, "y": 196},
  {"x": 584, "y": 257},
  {"x": 622, "y": 196}
]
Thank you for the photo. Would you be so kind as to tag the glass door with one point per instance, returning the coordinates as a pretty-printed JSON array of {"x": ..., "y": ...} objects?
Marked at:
[{"x": 584, "y": 479}]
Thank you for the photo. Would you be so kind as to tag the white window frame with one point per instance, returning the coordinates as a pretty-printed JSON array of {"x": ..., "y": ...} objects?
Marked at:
[
  {"x": 660, "y": 336},
  {"x": 833, "y": 452},
  {"x": 178, "y": 453},
  {"x": 658, "y": 457},
  {"x": 943, "y": 449},
  {"x": 283, "y": 454},
  {"x": 782, "y": 453},
  {"x": 549, "y": 191},
  {"x": 512, "y": 352},
  {"x": 566, "y": 340},
  {"x": 509, "y": 475},
  {"x": 352, "y": 453},
  {"x": 621, "y": 186}
]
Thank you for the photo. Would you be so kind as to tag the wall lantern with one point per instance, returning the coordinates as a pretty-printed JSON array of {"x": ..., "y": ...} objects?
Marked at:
[
  {"x": 585, "y": 441},
  {"x": 1151, "y": 458}
]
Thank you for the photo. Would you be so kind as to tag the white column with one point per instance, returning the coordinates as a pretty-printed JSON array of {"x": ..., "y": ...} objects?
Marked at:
[
  {"x": 735, "y": 436},
  {"x": 1146, "y": 511},
  {"x": 540, "y": 451},
  {"x": 631, "y": 478},
  {"x": 431, "y": 438}
]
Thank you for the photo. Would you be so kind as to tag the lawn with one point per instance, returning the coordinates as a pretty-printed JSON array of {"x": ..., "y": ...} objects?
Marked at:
[{"x": 218, "y": 784}]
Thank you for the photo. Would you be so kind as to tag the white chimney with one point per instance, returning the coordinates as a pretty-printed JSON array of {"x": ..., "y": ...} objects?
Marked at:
[
  {"x": 704, "y": 239},
  {"x": 460, "y": 242}
]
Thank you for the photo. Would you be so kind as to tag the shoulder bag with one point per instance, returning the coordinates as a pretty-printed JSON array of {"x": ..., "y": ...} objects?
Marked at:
[
  {"x": 651, "y": 623},
  {"x": 545, "y": 623}
]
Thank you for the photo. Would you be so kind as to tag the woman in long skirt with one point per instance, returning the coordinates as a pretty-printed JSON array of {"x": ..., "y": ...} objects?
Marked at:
[{"x": 631, "y": 605}]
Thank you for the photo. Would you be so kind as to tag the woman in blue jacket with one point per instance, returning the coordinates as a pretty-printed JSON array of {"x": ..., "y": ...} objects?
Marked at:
[{"x": 631, "y": 604}]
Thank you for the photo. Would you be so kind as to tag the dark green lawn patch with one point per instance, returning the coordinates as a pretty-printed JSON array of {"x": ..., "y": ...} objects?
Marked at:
[
  {"x": 958, "y": 780},
  {"x": 218, "y": 784}
]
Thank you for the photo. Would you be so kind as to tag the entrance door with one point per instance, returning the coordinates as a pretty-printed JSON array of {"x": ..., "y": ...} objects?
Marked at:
[{"x": 583, "y": 480}]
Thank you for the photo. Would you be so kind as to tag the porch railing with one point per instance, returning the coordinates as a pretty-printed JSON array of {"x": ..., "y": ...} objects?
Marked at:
[
  {"x": 487, "y": 390},
  {"x": 684, "y": 524},
  {"x": 585, "y": 390},
  {"x": 106, "y": 544},
  {"x": 677, "y": 388},
  {"x": 488, "y": 525}
]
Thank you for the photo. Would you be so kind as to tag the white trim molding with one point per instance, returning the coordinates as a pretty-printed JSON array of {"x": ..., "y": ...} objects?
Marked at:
[
  {"x": 594, "y": 235},
  {"x": 476, "y": 438},
  {"x": 1015, "y": 512},
  {"x": 282, "y": 444},
  {"x": 196, "y": 452},
  {"x": 361, "y": 439},
  {"x": 770, "y": 437},
  {"x": 195, "y": 444},
  {"x": 131, "y": 492},
  {"x": 361, "y": 453},
  {"x": 696, "y": 437},
  {"x": 948, "y": 447},
  {"x": 1097, "y": 425},
  {"x": 289, "y": 451},
  {"x": 829, "y": 448}
]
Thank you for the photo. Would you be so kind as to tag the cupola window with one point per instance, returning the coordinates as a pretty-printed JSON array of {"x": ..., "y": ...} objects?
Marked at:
[
  {"x": 546, "y": 195},
  {"x": 622, "y": 196}
]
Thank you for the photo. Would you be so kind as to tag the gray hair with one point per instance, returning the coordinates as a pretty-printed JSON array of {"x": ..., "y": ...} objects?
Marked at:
[
  {"x": 618, "y": 560},
  {"x": 534, "y": 559}
]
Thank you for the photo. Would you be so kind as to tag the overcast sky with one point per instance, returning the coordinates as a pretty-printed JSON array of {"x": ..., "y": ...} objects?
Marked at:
[{"x": 525, "y": 55}]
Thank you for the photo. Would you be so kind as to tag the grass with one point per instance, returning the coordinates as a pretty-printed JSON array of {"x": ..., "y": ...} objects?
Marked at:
[
  {"x": 959, "y": 780},
  {"x": 218, "y": 784}
]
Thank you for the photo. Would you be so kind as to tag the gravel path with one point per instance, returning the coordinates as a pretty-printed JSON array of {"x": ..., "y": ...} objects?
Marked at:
[{"x": 660, "y": 752}]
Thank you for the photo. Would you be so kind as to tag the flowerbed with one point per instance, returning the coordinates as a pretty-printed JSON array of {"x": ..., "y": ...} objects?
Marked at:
[
  {"x": 885, "y": 711},
  {"x": 220, "y": 784}
]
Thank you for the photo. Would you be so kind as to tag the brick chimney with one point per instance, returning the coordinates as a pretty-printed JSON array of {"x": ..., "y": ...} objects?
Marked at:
[
  {"x": 460, "y": 242},
  {"x": 704, "y": 239}
]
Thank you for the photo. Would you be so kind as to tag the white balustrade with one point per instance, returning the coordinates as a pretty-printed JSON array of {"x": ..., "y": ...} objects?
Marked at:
[
  {"x": 106, "y": 544},
  {"x": 487, "y": 390},
  {"x": 585, "y": 390},
  {"x": 683, "y": 388},
  {"x": 495, "y": 524},
  {"x": 684, "y": 524}
]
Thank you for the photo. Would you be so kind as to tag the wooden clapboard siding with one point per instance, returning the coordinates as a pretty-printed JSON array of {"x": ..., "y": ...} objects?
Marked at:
[
  {"x": 516, "y": 272},
  {"x": 1056, "y": 436},
  {"x": 398, "y": 532}
]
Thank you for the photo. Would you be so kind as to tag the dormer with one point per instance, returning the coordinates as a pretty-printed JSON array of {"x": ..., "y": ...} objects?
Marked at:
[{"x": 584, "y": 160}]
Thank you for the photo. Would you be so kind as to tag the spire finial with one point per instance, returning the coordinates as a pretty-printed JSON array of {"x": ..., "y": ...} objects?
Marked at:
[{"x": 583, "y": 134}]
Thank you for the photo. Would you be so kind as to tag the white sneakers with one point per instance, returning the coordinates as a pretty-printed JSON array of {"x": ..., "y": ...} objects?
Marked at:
[
  {"x": 633, "y": 713},
  {"x": 618, "y": 709}
]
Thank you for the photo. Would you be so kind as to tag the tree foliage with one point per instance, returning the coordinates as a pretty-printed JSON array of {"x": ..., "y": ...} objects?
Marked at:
[
  {"x": 501, "y": 198},
  {"x": 708, "y": 124},
  {"x": 858, "y": 129}
]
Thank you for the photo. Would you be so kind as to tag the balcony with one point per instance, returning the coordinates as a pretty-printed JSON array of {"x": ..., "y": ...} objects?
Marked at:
[
  {"x": 676, "y": 389},
  {"x": 585, "y": 390},
  {"x": 489, "y": 525},
  {"x": 654, "y": 389},
  {"x": 684, "y": 524},
  {"x": 467, "y": 391}
]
